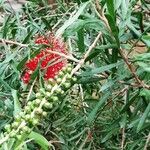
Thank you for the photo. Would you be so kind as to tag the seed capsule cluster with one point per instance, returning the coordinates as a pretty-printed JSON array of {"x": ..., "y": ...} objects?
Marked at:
[{"x": 46, "y": 98}]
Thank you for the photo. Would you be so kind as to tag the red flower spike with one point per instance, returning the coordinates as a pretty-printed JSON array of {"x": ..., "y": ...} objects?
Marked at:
[{"x": 45, "y": 58}]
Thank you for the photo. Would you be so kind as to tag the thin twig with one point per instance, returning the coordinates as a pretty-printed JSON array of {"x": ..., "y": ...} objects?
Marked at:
[
  {"x": 123, "y": 138},
  {"x": 131, "y": 68},
  {"x": 147, "y": 142},
  {"x": 31, "y": 89},
  {"x": 101, "y": 14},
  {"x": 63, "y": 55},
  {"x": 12, "y": 42},
  {"x": 81, "y": 62}
]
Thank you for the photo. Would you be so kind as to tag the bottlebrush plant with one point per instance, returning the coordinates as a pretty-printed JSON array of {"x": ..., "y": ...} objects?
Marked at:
[
  {"x": 105, "y": 45},
  {"x": 57, "y": 80}
]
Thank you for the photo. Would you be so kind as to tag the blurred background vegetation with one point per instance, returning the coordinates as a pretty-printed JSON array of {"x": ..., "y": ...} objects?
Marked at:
[{"x": 109, "y": 107}]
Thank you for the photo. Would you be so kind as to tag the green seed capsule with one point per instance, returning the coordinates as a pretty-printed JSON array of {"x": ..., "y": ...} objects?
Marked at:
[
  {"x": 35, "y": 121},
  {"x": 12, "y": 133},
  {"x": 62, "y": 92},
  {"x": 37, "y": 101},
  {"x": 26, "y": 129},
  {"x": 54, "y": 98},
  {"x": 48, "y": 105},
  {"x": 44, "y": 100},
  {"x": 19, "y": 137},
  {"x": 15, "y": 124},
  {"x": 67, "y": 85},
  {"x": 17, "y": 117},
  {"x": 42, "y": 90},
  {"x": 51, "y": 81},
  {"x": 47, "y": 94},
  {"x": 58, "y": 90},
  {"x": 58, "y": 80},
  {"x": 69, "y": 69},
  {"x": 27, "y": 117},
  {"x": 29, "y": 103},
  {"x": 38, "y": 111},
  {"x": 74, "y": 79},
  {"x": 7, "y": 127},
  {"x": 61, "y": 74},
  {"x": 48, "y": 87},
  {"x": 27, "y": 109},
  {"x": 69, "y": 76},
  {"x": 38, "y": 95},
  {"x": 69, "y": 65},
  {"x": 44, "y": 113}
]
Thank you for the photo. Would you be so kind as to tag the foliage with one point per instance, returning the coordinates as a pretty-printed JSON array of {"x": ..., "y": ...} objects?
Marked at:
[{"x": 109, "y": 106}]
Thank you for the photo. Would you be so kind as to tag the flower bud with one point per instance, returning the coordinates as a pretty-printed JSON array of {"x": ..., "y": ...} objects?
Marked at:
[
  {"x": 47, "y": 94},
  {"x": 58, "y": 90},
  {"x": 27, "y": 109},
  {"x": 15, "y": 124},
  {"x": 26, "y": 129},
  {"x": 48, "y": 105},
  {"x": 19, "y": 137},
  {"x": 44, "y": 100},
  {"x": 35, "y": 121},
  {"x": 38, "y": 111},
  {"x": 51, "y": 81},
  {"x": 44, "y": 113},
  {"x": 38, "y": 95},
  {"x": 58, "y": 80},
  {"x": 48, "y": 87},
  {"x": 69, "y": 76},
  {"x": 67, "y": 85},
  {"x": 37, "y": 102},
  {"x": 60, "y": 74},
  {"x": 12, "y": 133},
  {"x": 74, "y": 79},
  {"x": 54, "y": 98},
  {"x": 7, "y": 127},
  {"x": 42, "y": 90},
  {"x": 27, "y": 117}
]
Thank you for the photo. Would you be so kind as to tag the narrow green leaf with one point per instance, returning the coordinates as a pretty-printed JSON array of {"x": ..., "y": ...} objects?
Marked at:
[
  {"x": 110, "y": 7},
  {"x": 98, "y": 106},
  {"x": 41, "y": 140},
  {"x": 71, "y": 20},
  {"x": 146, "y": 39},
  {"x": 143, "y": 118},
  {"x": 17, "y": 105},
  {"x": 101, "y": 69},
  {"x": 80, "y": 41}
]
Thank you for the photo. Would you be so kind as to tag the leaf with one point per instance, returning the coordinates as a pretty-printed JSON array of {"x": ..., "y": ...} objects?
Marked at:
[
  {"x": 107, "y": 85},
  {"x": 146, "y": 39},
  {"x": 109, "y": 134},
  {"x": 27, "y": 38},
  {"x": 17, "y": 105},
  {"x": 41, "y": 140},
  {"x": 92, "y": 114},
  {"x": 5, "y": 84},
  {"x": 101, "y": 69},
  {"x": 71, "y": 20},
  {"x": 143, "y": 118},
  {"x": 110, "y": 7},
  {"x": 80, "y": 41}
]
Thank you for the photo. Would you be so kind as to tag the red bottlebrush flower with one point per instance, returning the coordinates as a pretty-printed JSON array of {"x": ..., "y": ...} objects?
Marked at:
[{"x": 50, "y": 63}]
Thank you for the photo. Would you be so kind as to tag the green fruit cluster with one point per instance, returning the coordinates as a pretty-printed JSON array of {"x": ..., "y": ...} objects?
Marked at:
[{"x": 45, "y": 99}]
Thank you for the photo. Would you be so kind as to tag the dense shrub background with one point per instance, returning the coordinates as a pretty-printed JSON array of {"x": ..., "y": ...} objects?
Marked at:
[{"x": 109, "y": 107}]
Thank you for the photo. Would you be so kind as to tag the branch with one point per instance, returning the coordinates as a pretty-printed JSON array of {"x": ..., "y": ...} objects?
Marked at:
[
  {"x": 131, "y": 68},
  {"x": 12, "y": 42},
  {"x": 100, "y": 13},
  {"x": 147, "y": 142},
  {"x": 63, "y": 55},
  {"x": 81, "y": 62}
]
